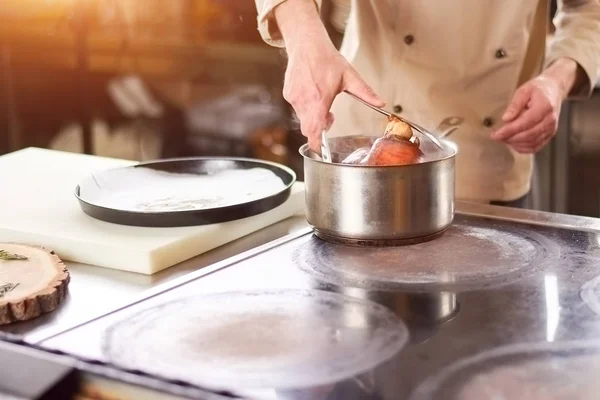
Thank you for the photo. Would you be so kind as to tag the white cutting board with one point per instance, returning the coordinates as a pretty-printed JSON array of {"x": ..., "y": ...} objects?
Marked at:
[{"x": 38, "y": 207}]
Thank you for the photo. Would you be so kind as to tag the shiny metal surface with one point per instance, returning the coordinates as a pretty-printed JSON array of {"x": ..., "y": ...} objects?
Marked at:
[
  {"x": 291, "y": 338},
  {"x": 447, "y": 127},
  {"x": 568, "y": 370},
  {"x": 79, "y": 380},
  {"x": 541, "y": 306},
  {"x": 95, "y": 291},
  {"x": 423, "y": 312},
  {"x": 325, "y": 152},
  {"x": 391, "y": 203},
  {"x": 530, "y": 217},
  {"x": 470, "y": 254}
]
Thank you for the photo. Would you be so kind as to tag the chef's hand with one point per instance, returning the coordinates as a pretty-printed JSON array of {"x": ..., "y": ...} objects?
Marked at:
[
  {"x": 531, "y": 119},
  {"x": 316, "y": 72}
]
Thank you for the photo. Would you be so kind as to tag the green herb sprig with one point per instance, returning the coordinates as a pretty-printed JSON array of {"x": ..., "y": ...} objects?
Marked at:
[
  {"x": 6, "y": 256},
  {"x": 6, "y": 288}
]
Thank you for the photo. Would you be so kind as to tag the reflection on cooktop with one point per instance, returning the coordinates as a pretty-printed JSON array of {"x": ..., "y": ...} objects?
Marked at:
[
  {"x": 423, "y": 313},
  {"x": 282, "y": 339},
  {"x": 590, "y": 294},
  {"x": 528, "y": 371},
  {"x": 467, "y": 255}
]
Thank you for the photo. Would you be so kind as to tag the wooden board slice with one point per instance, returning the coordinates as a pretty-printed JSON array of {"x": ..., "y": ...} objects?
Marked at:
[{"x": 33, "y": 281}]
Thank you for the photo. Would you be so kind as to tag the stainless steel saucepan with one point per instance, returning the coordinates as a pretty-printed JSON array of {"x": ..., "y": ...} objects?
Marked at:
[{"x": 381, "y": 205}]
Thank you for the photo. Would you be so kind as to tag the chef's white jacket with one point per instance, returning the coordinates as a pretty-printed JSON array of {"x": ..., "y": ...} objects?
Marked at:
[{"x": 434, "y": 59}]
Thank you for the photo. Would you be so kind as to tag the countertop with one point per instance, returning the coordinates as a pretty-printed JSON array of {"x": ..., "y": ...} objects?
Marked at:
[{"x": 94, "y": 291}]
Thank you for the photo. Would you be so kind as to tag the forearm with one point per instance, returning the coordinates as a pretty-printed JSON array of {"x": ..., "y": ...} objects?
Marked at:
[
  {"x": 299, "y": 20},
  {"x": 577, "y": 37},
  {"x": 567, "y": 73}
]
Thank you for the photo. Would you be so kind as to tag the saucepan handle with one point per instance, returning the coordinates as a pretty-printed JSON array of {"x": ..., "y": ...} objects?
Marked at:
[{"x": 447, "y": 126}]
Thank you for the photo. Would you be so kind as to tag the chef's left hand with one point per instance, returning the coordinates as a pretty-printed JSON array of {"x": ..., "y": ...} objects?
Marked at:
[{"x": 531, "y": 119}]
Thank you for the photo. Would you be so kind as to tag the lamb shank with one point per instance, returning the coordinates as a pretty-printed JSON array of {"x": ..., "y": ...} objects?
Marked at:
[{"x": 397, "y": 146}]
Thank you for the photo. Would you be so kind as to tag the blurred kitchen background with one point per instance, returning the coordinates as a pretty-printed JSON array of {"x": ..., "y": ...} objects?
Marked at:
[{"x": 147, "y": 79}]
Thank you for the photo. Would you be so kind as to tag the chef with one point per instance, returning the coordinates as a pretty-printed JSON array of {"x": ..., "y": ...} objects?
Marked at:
[{"x": 485, "y": 61}]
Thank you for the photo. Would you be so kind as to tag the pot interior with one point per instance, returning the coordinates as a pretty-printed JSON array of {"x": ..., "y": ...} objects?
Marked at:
[{"x": 342, "y": 146}]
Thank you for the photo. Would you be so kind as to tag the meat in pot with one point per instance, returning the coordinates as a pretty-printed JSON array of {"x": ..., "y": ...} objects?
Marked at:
[{"x": 397, "y": 146}]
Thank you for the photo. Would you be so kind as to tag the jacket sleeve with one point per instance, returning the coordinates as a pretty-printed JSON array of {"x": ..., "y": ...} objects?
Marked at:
[
  {"x": 577, "y": 36},
  {"x": 266, "y": 23}
]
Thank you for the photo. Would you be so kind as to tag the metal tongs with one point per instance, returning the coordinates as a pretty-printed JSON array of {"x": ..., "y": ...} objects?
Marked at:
[
  {"x": 325, "y": 152},
  {"x": 424, "y": 131},
  {"x": 444, "y": 129}
]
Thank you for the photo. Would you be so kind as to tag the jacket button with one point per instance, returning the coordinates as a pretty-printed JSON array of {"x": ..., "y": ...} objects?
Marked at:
[
  {"x": 500, "y": 53},
  {"x": 487, "y": 122},
  {"x": 398, "y": 109},
  {"x": 409, "y": 39}
]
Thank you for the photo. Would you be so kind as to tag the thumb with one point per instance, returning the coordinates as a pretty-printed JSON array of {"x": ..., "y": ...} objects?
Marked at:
[
  {"x": 518, "y": 103},
  {"x": 314, "y": 143},
  {"x": 357, "y": 86},
  {"x": 330, "y": 121}
]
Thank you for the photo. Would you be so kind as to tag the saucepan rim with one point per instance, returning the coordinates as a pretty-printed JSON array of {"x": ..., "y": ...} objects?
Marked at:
[{"x": 304, "y": 149}]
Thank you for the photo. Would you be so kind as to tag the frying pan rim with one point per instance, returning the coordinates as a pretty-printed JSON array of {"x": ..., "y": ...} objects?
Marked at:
[{"x": 292, "y": 180}]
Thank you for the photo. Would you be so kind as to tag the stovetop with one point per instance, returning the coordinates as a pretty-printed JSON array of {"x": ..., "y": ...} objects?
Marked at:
[{"x": 492, "y": 306}]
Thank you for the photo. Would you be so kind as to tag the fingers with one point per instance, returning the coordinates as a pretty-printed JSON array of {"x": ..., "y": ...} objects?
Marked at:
[
  {"x": 357, "y": 86},
  {"x": 525, "y": 121},
  {"x": 311, "y": 101},
  {"x": 531, "y": 119},
  {"x": 312, "y": 125},
  {"x": 534, "y": 139},
  {"x": 517, "y": 104},
  {"x": 312, "y": 110},
  {"x": 311, "y": 93},
  {"x": 533, "y": 147},
  {"x": 537, "y": 111},
  {"x": 330, "y": 121},
  {"x": 546, "y": 126},
  {"x": 314, "y": 141}
]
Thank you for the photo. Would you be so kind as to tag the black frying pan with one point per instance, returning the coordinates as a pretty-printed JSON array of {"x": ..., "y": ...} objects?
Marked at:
[{"x": 185, "y": 191}]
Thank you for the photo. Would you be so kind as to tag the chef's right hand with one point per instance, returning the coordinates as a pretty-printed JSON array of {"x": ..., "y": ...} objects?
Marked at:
[{"x": 316, "y": 72}]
